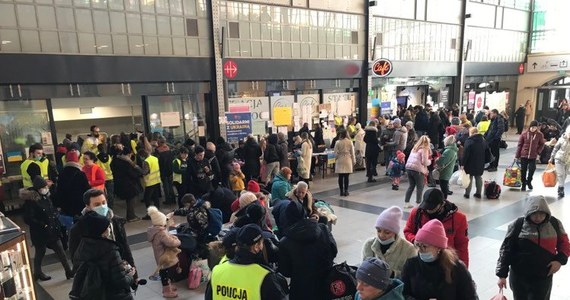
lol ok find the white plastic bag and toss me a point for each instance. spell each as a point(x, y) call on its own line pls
point(455, 177)
point(465, 179)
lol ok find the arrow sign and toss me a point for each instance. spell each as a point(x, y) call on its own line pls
point(230, 69)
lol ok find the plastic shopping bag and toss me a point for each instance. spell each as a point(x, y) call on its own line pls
point(455, 177)
point(465, 179)
point(512, 177)
point(549, 176)
point(499, 296)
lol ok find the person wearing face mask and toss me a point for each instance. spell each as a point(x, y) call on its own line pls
point(35, 165)
point(388, 245)
point(96, 204)
point(434, 206)
point(306, 253)
point(437, 272)
point(246, 275)
point(45, 228)
point(97, 250)
point(530, 145)
point(535, 247)
point(375, 283)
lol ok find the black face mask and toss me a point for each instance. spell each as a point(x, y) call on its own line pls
point(436, 213)
point(96, 134)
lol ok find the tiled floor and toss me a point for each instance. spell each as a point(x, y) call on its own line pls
point(488, 220)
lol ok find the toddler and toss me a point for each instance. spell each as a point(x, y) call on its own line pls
point(396, 168)
point(236, 179)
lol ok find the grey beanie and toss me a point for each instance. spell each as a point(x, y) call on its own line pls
point(375, 272)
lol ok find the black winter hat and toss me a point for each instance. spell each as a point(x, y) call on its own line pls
point(96, 224)
point(39, 182)
point(432, 198)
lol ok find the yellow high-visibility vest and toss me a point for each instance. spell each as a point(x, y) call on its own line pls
point(234, 281)
point(177, 177)
point(153, 177)
point(26, 179)
point(106, 168)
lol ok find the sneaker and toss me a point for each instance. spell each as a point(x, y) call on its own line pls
point(478, 196)
point(492, 170)
point(154, 277)
point(146, 217)
point(133, 219)
point(408, 205)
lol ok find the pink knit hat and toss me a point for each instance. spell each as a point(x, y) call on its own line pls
point(389, 219)
point(432, 233)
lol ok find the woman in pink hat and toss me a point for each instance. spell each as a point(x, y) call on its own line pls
point(437, 272)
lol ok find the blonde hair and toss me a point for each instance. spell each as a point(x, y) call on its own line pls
point(473, 131)
point(448, 259)
point(423, 142)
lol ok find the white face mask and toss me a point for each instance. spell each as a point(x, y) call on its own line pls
point(43, 191)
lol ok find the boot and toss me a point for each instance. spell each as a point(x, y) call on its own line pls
point(523, 187)
point(341, 192)
point(41, 276)
point(560, 192)
point(167, 292)
point(529, 184)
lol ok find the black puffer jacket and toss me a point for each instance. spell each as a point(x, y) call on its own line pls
point(271, 154)
point(252, 153)
point(79, 230)
point(103, 254)
point(306, 252)
point(371, 140)
point(221, 198)
point(474, 155)
point(427, 281)
point(41, 216)
point(126, 177)
point(71, 186)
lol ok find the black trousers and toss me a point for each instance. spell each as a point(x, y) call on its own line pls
point(343, 181)
point(152, 195)
point(494, 147)
point(530, 288)
point(444, 185)
point(371, 163)
point(520, 125)
point(181, 191)
point(527, 165)
point(59, 252)
point(164, 276)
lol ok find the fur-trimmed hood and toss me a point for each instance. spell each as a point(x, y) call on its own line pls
point(29, 194)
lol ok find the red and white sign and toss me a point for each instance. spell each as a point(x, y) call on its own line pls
point(230, 69)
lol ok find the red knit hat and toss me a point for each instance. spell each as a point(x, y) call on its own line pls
point(72, 156)
point(432, 233)
point(253, 186)
point(450, 130)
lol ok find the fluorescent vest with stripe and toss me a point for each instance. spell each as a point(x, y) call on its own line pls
point(106, 168)
point(234, 281)
point(177, 177)
point(26, 179)
point(153, 177)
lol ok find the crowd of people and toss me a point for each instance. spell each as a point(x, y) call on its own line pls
point(280, 243)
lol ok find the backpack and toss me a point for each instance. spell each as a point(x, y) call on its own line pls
point(492, 190)
point(194, 277)
point(88, 283)
point(215, 221)
point(340, 282)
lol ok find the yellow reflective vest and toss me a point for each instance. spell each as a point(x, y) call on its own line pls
point(26, 179)
point(153, 177)
point(106, 168)
point(235, 281)
point(175, 176)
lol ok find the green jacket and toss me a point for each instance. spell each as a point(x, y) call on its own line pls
point(446, 162)
point(279, 188)
point(395, 292)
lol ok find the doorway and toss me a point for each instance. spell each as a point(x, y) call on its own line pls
point(549, 97)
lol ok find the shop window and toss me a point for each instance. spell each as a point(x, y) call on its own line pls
point(23, 123)
point(191, 27)
point(355, 37)
point(234, 30)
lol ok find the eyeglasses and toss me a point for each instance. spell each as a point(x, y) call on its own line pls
point(421, 246)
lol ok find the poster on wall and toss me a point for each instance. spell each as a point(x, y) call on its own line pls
point(170, 119)
point(479, 101)
point(259, 109)
point(311, 100)
point(338, 108)
point(282, 116)
point(238, 126)
point(496, 101)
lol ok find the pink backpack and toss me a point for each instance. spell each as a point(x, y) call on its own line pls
point(194, 277)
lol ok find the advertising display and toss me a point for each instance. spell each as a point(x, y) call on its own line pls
point(259, 109)
point(238, 125)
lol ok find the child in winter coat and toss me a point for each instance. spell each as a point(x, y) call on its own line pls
point(237, 179)
point(396, 168)
point(161, 239)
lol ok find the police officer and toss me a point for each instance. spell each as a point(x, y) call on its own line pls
point(245, 276)
point(36, 165)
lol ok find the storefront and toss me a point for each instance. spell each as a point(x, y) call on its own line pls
point(496, 92)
